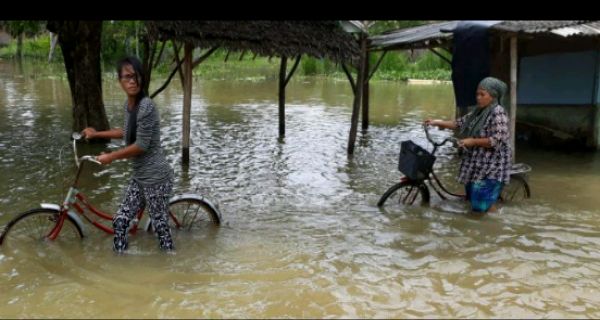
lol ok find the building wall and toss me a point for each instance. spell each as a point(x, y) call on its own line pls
point(568, 125)
point(558, 78)
point(558, 88)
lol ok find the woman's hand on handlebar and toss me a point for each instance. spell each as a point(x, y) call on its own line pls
point(434, 123)
point(431, 122)
point(89, 133)
point(105, 158)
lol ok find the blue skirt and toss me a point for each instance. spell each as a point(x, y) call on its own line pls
point(483, 194)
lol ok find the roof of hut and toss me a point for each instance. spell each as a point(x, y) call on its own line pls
point(268, 38)
point(438, 34)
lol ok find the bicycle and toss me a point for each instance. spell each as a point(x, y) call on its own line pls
point(186, 212)
point(417, 165)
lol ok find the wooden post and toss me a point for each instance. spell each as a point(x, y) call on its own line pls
point(282, 83)
point(595, 141)
point(513, 92)
point(365, 97)
point(358, 95)
point(187, 103)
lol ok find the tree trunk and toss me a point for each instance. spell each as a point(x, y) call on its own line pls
point(19, 54)
point(80, 46)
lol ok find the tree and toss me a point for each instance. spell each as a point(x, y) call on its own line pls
point(19, 28)
point(80, 43)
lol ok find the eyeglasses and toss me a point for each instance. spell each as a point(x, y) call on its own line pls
point(129, 77)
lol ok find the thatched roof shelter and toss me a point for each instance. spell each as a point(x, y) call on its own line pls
point(321, 39)
point(285, 39)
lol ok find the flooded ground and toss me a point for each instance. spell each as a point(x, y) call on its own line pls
point(302, 235)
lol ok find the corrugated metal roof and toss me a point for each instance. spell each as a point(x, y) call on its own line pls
point(534, 26)
point(586, 29)
point(429, 32)
point(424, 36)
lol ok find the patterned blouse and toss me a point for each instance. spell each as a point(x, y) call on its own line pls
point(480, 163)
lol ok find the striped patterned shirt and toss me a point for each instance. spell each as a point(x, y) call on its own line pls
point(480, 163)
point(151, 166)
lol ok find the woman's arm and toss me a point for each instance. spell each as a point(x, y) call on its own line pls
point(441, 124)
point(91, 133)
point(475, 142)
point(130, 151)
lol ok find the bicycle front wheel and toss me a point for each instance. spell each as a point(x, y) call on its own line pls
point(516, 190)
point(406, 193)
point(190, 214)
point(35, 225)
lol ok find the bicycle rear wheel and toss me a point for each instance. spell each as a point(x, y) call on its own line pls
point(35, 225)
point(189, 214)
point(406, 193)
point(516, 190)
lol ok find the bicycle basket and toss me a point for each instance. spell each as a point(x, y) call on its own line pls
point(415, 162)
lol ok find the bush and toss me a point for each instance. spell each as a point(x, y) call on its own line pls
point(309, 66)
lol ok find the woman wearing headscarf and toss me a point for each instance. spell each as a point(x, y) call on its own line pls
point(484, 132)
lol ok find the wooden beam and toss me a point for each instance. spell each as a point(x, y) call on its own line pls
point(513, 92)
point(289, 76)
point(204, 56)
point(376, 65)
point(187, 102)
point(365, 94)
point(595, 104)
point(282, 70)
point(160, 53)
point(159, 90)
point(440, 55)
point(358, 96)
point(178, 61)
point(350, 78)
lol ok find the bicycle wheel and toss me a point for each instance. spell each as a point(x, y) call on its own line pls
point(35, 225)
point(190, 214)
point(406, 193)
point(517, 189)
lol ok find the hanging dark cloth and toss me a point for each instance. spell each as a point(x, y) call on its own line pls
point(471, 59)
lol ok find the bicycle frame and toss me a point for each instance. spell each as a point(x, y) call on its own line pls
point(440, 186)
point(76, 204)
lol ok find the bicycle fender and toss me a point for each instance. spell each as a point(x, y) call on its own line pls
point(70, 213)
point(197, 197)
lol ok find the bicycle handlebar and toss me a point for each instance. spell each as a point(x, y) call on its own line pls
point(437, 144)
point(77, 136)
point(89, 158)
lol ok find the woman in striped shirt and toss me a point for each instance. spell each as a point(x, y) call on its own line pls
point(152, 180)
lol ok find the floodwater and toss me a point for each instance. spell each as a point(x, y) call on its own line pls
point(302, 236)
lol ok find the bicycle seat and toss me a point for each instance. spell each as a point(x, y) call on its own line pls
point(518, 168)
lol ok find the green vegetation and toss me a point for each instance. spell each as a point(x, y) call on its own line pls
point(120, 38)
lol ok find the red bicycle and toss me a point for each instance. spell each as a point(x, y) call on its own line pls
point(186, 212)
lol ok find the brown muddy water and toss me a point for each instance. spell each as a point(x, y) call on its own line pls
point(302, 236)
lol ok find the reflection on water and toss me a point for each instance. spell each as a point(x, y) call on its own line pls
point(302, 236)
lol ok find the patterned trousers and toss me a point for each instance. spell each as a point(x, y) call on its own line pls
point(155, 198)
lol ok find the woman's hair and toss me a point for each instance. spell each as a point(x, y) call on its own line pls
point(135, 63)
